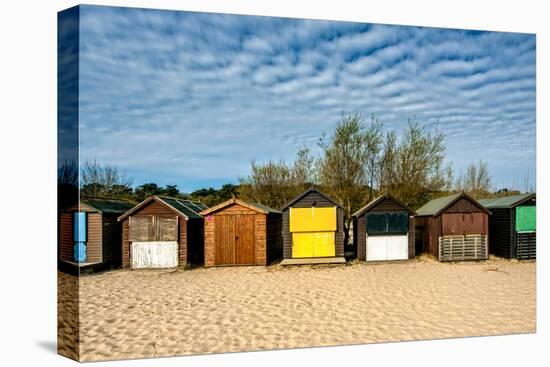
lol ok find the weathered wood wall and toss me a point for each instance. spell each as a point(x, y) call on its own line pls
point(463, 205)
point(66, 236)
point(125, 243)
point(157, 254)
point(526, 245)
point(412, 237)
point(464, 223)
point(463, 247)
point(361, 237)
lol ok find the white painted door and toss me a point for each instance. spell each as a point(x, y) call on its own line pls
point(380, 248)
point(156, 254)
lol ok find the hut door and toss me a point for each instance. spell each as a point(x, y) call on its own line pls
point(234, 239)
point(381, 248)
point(244, 239)
point(313, 244)
point(313, 232)
point(225, 239)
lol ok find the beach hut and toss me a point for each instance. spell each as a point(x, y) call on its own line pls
point(512, 226)
point(313, 230)
point(384, 230)
point(238, 232)
point(89, 234)
point(162, 232)
point(454, 227)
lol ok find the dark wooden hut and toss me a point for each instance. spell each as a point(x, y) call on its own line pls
point(241, 233)
point(313, 229)
point(384, 230)
point(453, 227)
point(162, 232)
point(513, 226)
point(89, 235)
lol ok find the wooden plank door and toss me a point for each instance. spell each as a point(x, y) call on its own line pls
point(245, 239)
point(224, 239)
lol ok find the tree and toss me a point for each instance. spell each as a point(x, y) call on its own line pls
point(373, 142)
point(144, 191)
point(170, 190)
point(211, 196)
point(275, 183)
point(268, 184)
point(476, 180)
point(412, 169)
point(348, 161)
point(67, 184)
point(103, 180)
point(303, 172)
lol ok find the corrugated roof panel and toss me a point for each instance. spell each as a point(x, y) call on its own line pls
point(115, 206)
point(504, 202)
point(176, 204)
point(192, 205)
point(264, 207)
point(435, 205)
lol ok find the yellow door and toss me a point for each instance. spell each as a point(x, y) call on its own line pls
point(323, 244)
point(312, 219)
point(313, 244)
point(302, 244)
point(313, 230)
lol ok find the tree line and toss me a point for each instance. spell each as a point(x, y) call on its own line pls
point(357, 162)
point(107, 181)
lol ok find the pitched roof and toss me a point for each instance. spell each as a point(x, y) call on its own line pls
point(308, 191)
point(436, 206)
point(186, 208)
point(375, 202)
point(247, 204)
point(103, 205)
point(507, 201)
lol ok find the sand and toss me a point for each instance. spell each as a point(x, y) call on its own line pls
point(133, 314)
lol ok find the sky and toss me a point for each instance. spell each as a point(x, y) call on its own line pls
point(191, 98)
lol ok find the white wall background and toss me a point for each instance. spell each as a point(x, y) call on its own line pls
point(28, 164)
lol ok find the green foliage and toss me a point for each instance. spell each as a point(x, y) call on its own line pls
point(348, 163)
point(211, 196)
point(412, 168)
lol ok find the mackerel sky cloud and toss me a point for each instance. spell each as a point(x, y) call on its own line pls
point(190, 98)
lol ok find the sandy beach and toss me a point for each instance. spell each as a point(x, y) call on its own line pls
point(134, 314)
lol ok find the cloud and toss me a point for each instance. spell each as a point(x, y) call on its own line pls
point(190, 98)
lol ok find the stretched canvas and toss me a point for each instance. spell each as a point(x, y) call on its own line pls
point(233, 183)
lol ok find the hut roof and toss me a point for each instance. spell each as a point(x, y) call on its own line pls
point(247, 204)
point(436, 206)
point(373, 203)
point(308, 191)
point(507, 202)
point(186, 208)
point(104, 205)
